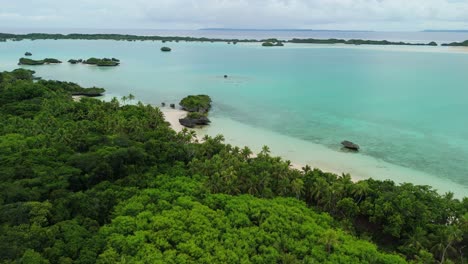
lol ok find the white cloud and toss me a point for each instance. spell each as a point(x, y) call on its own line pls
point(316, 14)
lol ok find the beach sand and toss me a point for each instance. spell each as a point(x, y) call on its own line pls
point(172, 116)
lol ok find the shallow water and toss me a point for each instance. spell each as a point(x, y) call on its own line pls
point(405, 106)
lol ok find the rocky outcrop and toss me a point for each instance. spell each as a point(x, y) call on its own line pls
point(350, 145)
point(192, 122)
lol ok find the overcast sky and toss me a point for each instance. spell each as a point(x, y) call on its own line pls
point(383, 15)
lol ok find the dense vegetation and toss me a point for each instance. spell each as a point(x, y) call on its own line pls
point(358, 42)
point(26, 61)
point(102, 62)
point(272, 44)
point(37, 36)
point(196, 103)
point(457, 44)
point(100, 182)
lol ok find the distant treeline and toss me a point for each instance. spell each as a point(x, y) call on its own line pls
point(457, 44)
point(359, 42)
point(42, 36)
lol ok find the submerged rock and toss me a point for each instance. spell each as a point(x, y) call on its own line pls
point(163, 104)
point(350, 145)
point(172, 105)
point(28, 54)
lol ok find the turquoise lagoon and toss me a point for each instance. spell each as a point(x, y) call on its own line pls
point(406, 106)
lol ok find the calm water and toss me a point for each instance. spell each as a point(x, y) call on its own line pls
point(405, 106)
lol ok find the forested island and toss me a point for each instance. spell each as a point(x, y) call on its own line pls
point(105, 62)
point(105, 182)
point(457, 44)
point(121, 37)
point(272, 44)
point(358, 42)
point(26, 61)
point(197, 107)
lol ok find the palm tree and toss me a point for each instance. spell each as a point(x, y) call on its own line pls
point(297, 186)
point(417, 240)
point(330, 239)
point(449, 236)
point(306, 169)
point(360, 189)
point(246, 153)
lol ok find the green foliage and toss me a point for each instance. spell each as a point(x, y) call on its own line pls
point(272, 43)
point(101, 182)
point(119, 37)
point(359, 42)
point(102, 62)
point(457, 44)
point(26, 61)
point(196, 115)
point(196, 103)
point(267, 44)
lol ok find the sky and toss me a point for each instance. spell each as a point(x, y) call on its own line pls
point(377, 15)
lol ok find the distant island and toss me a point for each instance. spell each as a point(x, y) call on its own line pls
point(272, 44)
point(446, 30)
point(457, 44)
point(105, 62)
point(281, 29)
point(26, 61)
point(164, 39)
point(358, 42)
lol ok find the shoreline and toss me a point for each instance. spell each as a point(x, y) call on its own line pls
point(173, 115)
point(301, 153)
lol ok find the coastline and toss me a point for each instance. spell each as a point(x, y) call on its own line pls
point(301, 152)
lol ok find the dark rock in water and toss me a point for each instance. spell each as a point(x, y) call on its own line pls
point(163, 104)
point(172, 105)
point(192, 122)
point(28, 54)
point(225, 76)
point(350, 145)
point(166, 49)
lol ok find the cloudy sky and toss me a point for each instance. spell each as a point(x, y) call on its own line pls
point(384, 15)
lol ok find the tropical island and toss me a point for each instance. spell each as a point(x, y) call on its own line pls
point(198, 107)
point(98, 62)
point(105, 62)
point(26, 61)
point(100, 182)
point(358, 42)
point(164, 39)
point(272, 43)
point(457, 44)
